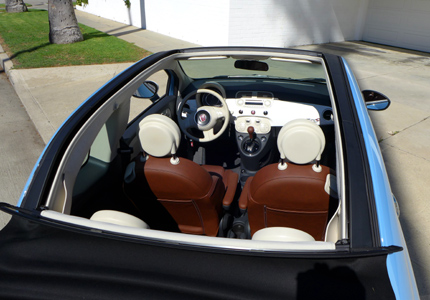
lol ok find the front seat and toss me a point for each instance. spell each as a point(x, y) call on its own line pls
point(193, 195)
point(294, 193)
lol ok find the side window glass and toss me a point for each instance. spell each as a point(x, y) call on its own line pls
point(139, 104)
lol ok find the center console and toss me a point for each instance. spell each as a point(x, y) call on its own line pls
point(254, 135)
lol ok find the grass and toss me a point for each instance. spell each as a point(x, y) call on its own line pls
point(25, 38)
point(3, 5)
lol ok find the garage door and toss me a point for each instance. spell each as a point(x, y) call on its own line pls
point(402, 23)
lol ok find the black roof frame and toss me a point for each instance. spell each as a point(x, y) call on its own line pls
point(363, 226)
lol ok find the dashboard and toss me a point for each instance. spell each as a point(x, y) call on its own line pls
point(251, 109)
point(264, 104)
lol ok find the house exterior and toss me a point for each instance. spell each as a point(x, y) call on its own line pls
point(276, 23)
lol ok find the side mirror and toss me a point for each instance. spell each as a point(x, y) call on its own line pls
point(147, 90)
point(375, 100)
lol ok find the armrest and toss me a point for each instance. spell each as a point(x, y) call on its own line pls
point(230, 182)
point(243, 200)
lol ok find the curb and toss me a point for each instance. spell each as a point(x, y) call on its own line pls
point(32, 107)
point(5, 61)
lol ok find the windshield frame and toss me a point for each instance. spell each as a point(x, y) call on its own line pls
point(278, 67)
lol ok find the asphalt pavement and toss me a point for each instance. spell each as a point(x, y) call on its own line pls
point(49, 95)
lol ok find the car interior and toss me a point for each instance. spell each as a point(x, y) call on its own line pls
point(212, 149)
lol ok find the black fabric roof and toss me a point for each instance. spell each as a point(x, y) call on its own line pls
point(38, 261)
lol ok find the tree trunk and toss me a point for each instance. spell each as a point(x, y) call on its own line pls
point(63, 25)
point(13, 6)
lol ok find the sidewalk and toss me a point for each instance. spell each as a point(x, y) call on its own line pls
point(146, 39)
point(51, 94)
point(67, 87)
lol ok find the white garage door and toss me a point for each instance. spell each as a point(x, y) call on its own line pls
point(402, 23)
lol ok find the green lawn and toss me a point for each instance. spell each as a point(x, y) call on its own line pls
point(25, 37)
point(2, 5)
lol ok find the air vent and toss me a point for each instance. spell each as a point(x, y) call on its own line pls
point(264, 95)
point(248, 94)
point(328, 115)
point(244, 95)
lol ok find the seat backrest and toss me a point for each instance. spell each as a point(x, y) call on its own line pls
point(292, 193)
point(188, 192)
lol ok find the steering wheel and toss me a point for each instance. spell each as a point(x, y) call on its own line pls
point(204, 118)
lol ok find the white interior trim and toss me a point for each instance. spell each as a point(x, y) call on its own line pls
point(188, 239)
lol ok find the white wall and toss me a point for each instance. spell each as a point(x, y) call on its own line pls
point(203, 22)
point(276, 23)
point(351, 16)
point(283, 23)
point(117, 11)
point(402, 23)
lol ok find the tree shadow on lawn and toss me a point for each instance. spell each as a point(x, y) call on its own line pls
point(87, 36)
point(93, 35)
point(15, 55)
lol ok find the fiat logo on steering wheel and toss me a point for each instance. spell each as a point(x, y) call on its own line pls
point(202, 118)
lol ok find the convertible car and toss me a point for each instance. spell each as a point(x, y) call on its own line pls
point(213, 173)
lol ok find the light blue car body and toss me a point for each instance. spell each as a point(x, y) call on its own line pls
point(398, 264)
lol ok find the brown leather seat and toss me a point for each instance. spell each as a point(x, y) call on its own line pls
point(294, 194)
point(194, 195)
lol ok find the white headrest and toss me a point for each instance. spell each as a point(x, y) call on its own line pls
point(301, 141)
point(282, 234)
point(118, 218)
point(159, 135)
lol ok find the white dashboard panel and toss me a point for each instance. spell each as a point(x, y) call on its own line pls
point(263, 114)
point(261, 125)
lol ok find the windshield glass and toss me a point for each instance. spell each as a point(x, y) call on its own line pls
point(270, 67)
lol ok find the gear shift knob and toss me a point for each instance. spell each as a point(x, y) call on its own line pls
point(251, 132)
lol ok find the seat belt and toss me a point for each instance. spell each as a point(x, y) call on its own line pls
point(125, 152)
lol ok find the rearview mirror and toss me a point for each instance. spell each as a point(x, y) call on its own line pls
point(147, 90)
point(375, 100)
point(253, 65)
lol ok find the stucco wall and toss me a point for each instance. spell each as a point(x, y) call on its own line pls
point(276, 23)
point(403, 23)
point(203, 22)
point(351, 16)
point(116, 10)
point(283, 23)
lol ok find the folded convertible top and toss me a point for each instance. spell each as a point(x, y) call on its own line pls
point(58, 263)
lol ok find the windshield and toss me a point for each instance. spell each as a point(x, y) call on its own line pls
point(269, 67)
